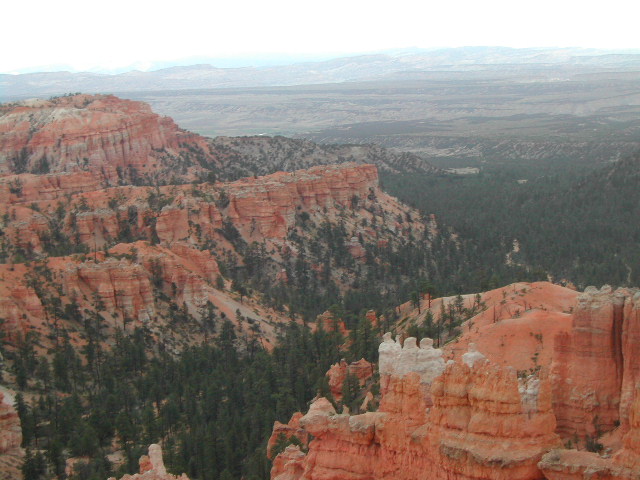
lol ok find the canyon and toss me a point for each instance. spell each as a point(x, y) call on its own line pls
point(114, 221)
point(144, 253)
point(84, 200)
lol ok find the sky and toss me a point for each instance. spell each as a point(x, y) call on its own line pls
point(45, 35)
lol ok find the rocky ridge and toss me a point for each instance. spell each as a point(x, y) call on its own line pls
point(261, 155)
point(117, 141)
point(138, 252)
point(76, 143)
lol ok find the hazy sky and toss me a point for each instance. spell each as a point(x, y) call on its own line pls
point(116, 33)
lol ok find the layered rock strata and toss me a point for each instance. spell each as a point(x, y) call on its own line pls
point(110, 137)
point(481, 417)
point(596, 369)
point(191, 226)
point(582, 465)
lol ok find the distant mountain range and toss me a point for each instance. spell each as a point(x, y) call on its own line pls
point(396, 64)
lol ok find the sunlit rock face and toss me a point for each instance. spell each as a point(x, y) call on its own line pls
point(457, 420)
point(596, 369)
point(476, 417)
point(102, 134)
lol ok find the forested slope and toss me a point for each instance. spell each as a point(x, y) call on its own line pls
point(579, 227)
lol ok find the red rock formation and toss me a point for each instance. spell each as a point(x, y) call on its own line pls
point(27, 187)
point(287, 430)
point(152, 467)
point(474, 419)
point(267, 205)
point(517, 325)
point(83, 143)
point(630, 354)
point(85, 132)
point(578, 465)
point(330, 324)
point(337, 374)
point(184, 220)
point(623, 465)
point(125, 283)
point(485, 423)
point(588, 367)
point(629, 456)
point(289, 465)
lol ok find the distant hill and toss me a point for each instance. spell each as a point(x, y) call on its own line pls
point(401, 63)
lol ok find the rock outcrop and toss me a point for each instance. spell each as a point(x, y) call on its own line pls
point(152, 467)
point(596, 389)
point(581, 465)
point(285, 431)
point(397, 360)
point(113, 138)
point(268, 204)
point(144, 247)
point(362, 370)
point(484, 422)
point(476, 417)
point(595, 364)
point(72, 202)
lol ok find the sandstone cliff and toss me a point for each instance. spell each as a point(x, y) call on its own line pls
point(476, 416)
point(116, 140)
point(72, 204)
point(141, 256)
point(595, 369)
point(484, 422)
point(362, 370)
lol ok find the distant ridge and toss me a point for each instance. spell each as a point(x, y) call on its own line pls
point(344, 69)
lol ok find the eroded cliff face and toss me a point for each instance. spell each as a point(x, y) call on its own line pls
point(579, 465)
point(596, 389)
point(261, 208)
point(172, 292)
point(73, 207)
point(475, 418)
point(595, 368)
point(114, 139)
point(483, 422)
point(337, 374)
point(149, 255)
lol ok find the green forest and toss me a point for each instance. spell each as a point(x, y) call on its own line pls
point(213, 406)
point(573, 222)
